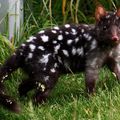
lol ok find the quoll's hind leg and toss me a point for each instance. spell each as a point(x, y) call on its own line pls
point(43, 83)
point(45, 86)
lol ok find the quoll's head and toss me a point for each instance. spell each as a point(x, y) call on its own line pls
point(107, 25)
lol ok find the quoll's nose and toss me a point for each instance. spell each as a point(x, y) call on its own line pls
point(115, 38)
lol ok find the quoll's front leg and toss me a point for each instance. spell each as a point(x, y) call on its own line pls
point(114, 66)
point(94, 62)
point(42, 83)
point(91, 75)
point(44, 87)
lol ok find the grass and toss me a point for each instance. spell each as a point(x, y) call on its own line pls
point(67, 100)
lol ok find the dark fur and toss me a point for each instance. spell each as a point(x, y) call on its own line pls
point(63, 49)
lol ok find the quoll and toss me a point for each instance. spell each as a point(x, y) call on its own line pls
point(75, 48)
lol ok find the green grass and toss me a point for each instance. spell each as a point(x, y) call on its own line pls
point(67, 100)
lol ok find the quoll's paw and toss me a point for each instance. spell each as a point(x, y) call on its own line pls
point(41, 97)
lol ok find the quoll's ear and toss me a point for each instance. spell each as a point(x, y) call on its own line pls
point(99, 12)
point(118, 12)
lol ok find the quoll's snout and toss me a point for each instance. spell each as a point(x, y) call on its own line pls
point(115, 38)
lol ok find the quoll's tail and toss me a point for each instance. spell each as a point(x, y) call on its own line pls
point(8, 67)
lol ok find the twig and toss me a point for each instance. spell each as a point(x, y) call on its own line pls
point(76, 11)
point(71, 9)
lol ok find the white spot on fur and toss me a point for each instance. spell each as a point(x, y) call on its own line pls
point(59, 59)
point(66, 33)
point(60, 37)
point(56, 28)
point(60, 31)
point(74, 51)
point(56, 48)
point(8, 101)
point(65, 52)
point(46, 78)
point(54, 31)
point(80, 36)
point(55, 65)
point(104, 27)
point(44, 38)
point(86, 35)
point(41, 32)
point(69, 42)
point(23, 45)
point(67, 25)
point(41, 48)
point(74, 32)
point(40, 86)
point(31, 39)
point(14, 53)
point(94, 44)
point(108, 16)
point(44, 68)
point(45, 58)
point(89, 38)
point(82, 30)
point(32, 47)
point(43, 87)
point(85, 25)
point(54, 42)
point(80, 51)
point(76, 40)
point(4, 77)
point(52, 70)
point(30, 55)
point(21, 53)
